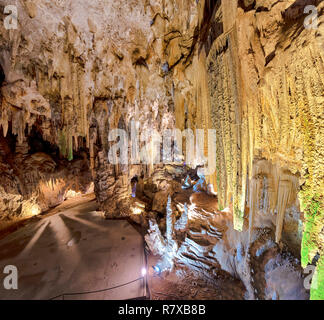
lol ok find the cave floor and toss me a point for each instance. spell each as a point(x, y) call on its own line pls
point(72, 249)
point(183, 284)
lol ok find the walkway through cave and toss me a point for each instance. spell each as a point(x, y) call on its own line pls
point(72, 249)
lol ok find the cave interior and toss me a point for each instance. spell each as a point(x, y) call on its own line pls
point(182, 138)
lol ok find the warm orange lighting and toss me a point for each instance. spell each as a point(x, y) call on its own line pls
point(35, 210)
point(137, 210)
point(72, 194)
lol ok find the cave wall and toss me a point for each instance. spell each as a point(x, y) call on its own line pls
point(256, 77)
point(265, 79)
point(84, 68)
point(35, 178)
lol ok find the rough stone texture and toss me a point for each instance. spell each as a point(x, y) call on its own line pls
point(264, 72)
point(210, 245)
point(85, 68)
point(34, 181)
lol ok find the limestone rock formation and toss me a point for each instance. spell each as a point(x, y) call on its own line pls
point(211, 244)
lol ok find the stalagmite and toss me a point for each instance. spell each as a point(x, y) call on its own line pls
point(169, 221)
point(187, 183)
point(154, 239)
point(284, 191)
point(182, 223)
point(253, 206)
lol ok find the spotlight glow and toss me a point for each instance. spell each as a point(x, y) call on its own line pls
point(35, 210)
point(137, 211)
point(72, 194)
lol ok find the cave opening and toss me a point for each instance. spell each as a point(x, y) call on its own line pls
point(2, 76)
point(37, 144)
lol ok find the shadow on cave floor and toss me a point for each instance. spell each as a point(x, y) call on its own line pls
point(85, 202)
point(72, 249)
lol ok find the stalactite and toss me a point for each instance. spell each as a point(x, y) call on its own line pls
point(284, 191)
point(62, 142)
point(169, 221)
point(317, 287)
point(182, 223)
point(252, 205)
point(70, 147)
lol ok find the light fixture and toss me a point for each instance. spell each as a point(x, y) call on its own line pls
point(137, 210)
point(35, 210)
point(72, 194)
point(143, 272)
